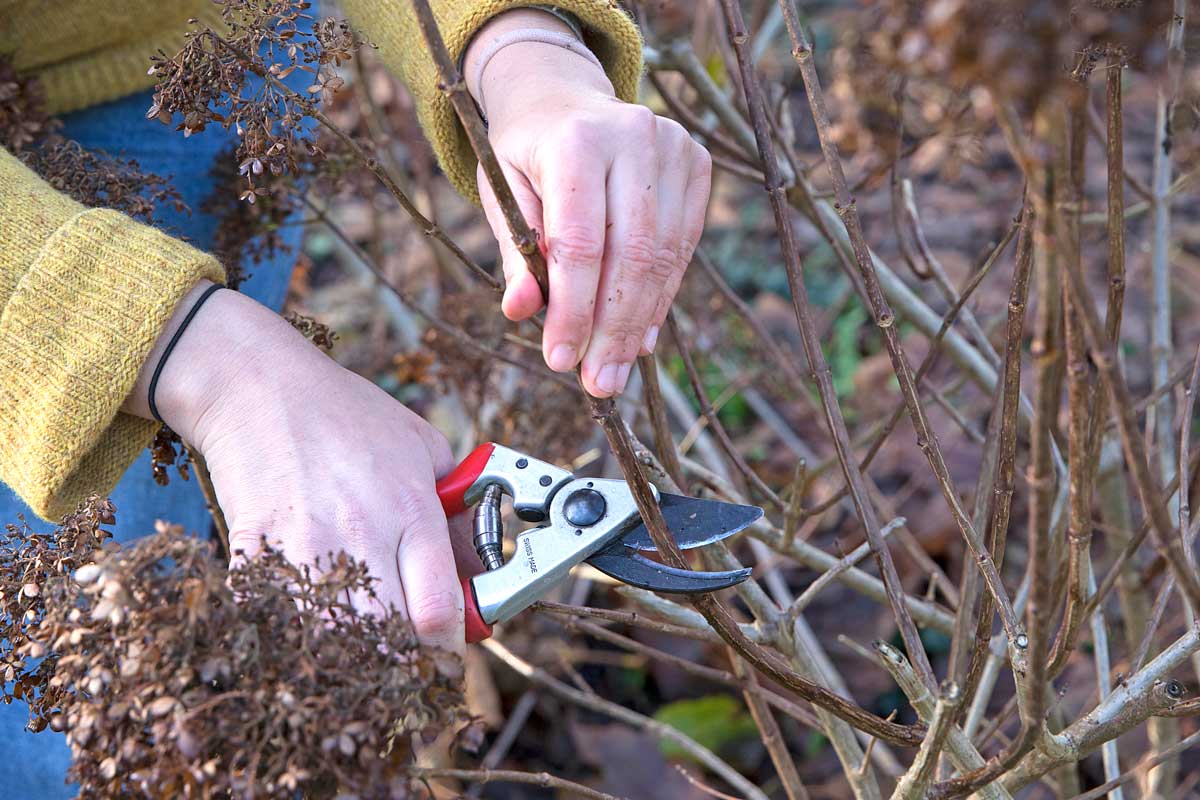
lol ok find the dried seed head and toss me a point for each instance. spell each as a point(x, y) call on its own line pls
point(195, 661)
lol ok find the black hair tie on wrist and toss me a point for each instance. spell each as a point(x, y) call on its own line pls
point(162, 362)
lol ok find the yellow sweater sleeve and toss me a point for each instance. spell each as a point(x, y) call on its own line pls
point(84, 293)
point(392, 26)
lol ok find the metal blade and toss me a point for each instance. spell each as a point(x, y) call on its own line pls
point(694, 521)
point(633, 568)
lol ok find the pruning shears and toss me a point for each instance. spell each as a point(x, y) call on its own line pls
point(577, 520)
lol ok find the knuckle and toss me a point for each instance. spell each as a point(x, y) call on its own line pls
point(687, 246)
point(664, 267)
point(354, 528)
point(576, 135)
point(623, 337)
point(435, 614)
point(576, 246)
point(640, 250)
point(439, 448)
point(650, 261)
point(410, 504)
point(641, 119)
point(671, 131)
point(245, 542)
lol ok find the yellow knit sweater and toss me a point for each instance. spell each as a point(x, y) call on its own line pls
point(84, 292)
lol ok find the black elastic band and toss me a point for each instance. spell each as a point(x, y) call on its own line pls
point(162, 362)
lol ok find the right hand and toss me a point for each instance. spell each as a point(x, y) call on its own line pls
point(315, 459)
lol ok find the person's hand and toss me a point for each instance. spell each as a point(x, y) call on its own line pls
point(617, 194)
point(314, 458)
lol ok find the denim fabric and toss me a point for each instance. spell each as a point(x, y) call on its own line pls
point(35, 765)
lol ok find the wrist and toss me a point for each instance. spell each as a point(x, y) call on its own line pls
point(232, 359)
point(534, 77)
point(525, 54)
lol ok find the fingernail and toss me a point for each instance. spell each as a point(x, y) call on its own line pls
point(651, 339)
point(562, 358)
point(606, 378)
point(622, 377)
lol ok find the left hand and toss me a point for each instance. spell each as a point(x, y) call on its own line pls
point(616, 193)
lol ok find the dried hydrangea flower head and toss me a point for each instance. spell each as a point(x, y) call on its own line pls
point(173, 676)
point(209, 82)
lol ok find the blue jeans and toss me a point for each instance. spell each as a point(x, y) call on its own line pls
point(34, 766)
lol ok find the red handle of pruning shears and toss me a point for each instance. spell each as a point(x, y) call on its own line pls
point(451, 491)
point(477, 629)
point(452, 488)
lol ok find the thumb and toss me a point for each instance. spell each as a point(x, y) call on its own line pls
point(425, 563)
point(522, 295)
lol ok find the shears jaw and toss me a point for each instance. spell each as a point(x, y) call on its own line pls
point(694, 522)
point(631, 567)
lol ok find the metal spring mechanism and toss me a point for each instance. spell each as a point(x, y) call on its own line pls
point(489, 528)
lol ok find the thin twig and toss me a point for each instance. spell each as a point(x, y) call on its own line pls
point(720, 676)
point(456, 333)
point(962, 753)
point(664, 444)
point(915, 783)
point(1080, 396)
point(819, 369)
point(833, 573)
point(542, 779)
point(768, 731)
point(508, 734)
point(632, 618)
point(205, 481)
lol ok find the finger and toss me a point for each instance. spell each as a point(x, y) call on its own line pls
point(676, 150)
point(694, 206)
point(633, 267)
point(350, 532)
point(424, 561)
point(522, 295)
point(247, 543)
point(574, 215)
point(386, 594)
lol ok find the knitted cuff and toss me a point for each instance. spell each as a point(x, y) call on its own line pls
point(73, 338)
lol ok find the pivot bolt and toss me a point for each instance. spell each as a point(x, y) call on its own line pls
point(584, 507)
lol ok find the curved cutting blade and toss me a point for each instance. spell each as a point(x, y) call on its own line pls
point(694, 521)
point(633, 568)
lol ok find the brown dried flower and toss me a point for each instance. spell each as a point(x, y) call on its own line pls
point(208, 82)
point(167, 451)
point(23, 118)
point(318, 333)
point(248, 233)
point(174, 677)
point(101, 181)
point(92, 178)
